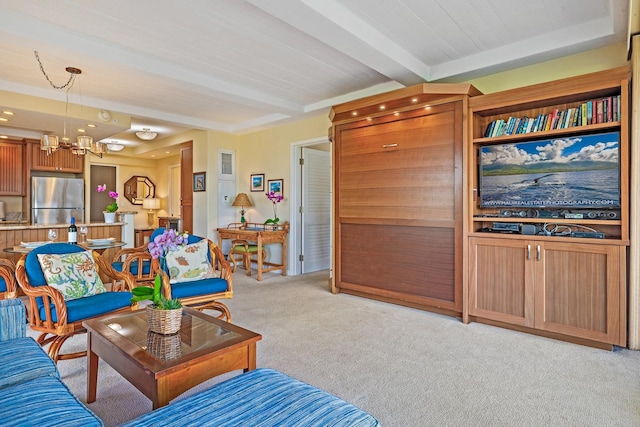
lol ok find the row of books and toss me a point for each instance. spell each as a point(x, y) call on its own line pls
point(591, 112)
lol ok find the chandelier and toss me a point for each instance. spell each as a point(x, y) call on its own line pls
point(146, 135)
point(84, 143)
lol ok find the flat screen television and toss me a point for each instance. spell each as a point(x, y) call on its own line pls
point(579, 171)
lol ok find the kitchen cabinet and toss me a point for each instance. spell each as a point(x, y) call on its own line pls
point(12, 170)
point(62, 160)
point(560, 287)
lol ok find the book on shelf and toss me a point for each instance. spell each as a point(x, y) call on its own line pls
point(594, 111)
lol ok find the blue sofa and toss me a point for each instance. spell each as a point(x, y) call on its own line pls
point(34, 395)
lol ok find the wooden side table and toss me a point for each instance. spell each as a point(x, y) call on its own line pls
point(142, 235)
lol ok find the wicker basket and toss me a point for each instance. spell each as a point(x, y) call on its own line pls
point(164, 347)
point(164, 321)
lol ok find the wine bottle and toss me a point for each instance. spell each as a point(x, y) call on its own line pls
point(73, 232)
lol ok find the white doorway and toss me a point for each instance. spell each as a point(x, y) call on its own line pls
point(310, 215)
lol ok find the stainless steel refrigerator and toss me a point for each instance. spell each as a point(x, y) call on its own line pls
point(56, 200)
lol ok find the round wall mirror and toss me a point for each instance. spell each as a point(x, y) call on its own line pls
point(138, 188)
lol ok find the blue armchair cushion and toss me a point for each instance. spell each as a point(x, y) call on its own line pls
point(12, 319)
point(44, 401)
point(87, 307)
point(23, 359)
point(262, 397)
point(32, 265)
point(199, 287)
point(73, 274)
point(133, 267)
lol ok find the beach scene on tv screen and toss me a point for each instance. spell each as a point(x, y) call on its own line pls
point(577, 172)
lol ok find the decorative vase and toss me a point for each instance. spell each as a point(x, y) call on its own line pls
point(164, 321)
point(109, 217)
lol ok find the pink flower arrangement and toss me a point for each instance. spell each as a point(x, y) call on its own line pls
point(275, 199)
point(168, 241)
point(111, 207)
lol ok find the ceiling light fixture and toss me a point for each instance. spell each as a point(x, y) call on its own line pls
point(146, 135)
point(114, 146)
point(84, 143)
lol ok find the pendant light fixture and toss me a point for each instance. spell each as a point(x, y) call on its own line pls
point(84, 143)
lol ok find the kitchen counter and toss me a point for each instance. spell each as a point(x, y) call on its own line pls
point(13, 234)
point(22, 225)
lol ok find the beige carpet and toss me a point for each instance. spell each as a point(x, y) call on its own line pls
point(408, 367)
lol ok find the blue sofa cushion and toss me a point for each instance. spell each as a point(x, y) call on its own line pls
point(262, 397)
point(41, 402)
point(23, 359)
point(87, 307)
point(12, 319)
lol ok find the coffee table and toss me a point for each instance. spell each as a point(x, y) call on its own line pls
point(165, 366)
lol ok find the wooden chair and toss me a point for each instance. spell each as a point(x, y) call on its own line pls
point(129, 259)
point(202, 294)
point(57, 319)
point(247, 252)
point(8, 284)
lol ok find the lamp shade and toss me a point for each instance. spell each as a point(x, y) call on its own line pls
point(151, 203)
point(242, 200)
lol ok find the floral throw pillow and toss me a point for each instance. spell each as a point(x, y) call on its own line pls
point(189, 262)
point(74, 274)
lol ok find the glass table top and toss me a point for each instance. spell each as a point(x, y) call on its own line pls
point(196, 333)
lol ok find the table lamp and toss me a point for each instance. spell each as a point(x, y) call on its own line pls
point(242, 200)
point(152, 204)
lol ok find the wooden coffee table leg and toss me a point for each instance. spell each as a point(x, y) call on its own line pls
point(92, 371)
point(251, 353)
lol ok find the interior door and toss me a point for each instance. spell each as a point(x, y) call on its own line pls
point(99, 175)
point(186, 189)
point(316, 210)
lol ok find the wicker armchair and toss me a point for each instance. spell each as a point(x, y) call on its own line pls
point(8, 284)
point(202, 294)
point(129, 260)
point(57, 319)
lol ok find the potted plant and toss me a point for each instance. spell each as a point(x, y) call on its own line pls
point(163, 315)
point(275, 198)
point(112, 208)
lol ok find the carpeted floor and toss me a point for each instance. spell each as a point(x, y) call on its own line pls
point(407, 367)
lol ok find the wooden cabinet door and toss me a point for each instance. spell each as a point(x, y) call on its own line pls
point(12, 176)
point(578, 291)
point(61, 161)
point(501, 280)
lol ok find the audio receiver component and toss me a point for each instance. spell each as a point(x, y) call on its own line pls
point(506, 226)
point(588, 234)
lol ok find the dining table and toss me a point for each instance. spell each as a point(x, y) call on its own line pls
point(99, 246)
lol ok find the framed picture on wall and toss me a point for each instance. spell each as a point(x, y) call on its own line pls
point(275, 185)
point(257, 182)
point(199, 181)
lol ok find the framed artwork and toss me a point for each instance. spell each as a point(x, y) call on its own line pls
point(257, 182)
point(199, 181)
point(275, 185)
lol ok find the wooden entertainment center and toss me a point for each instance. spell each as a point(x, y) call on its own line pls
point(572, 288)
point(409, 227)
